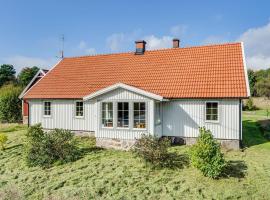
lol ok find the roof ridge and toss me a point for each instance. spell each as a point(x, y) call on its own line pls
point(154, 50)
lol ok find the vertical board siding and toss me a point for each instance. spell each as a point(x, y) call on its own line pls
point(63, 115)
point(184, 117)
point(120, 133)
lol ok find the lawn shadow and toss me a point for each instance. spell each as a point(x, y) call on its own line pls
point(235, 168)
point(14, 146)
point(253, 133)
point(176, 161)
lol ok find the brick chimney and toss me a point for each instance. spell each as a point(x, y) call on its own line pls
point(176, 43)
point(140, 47)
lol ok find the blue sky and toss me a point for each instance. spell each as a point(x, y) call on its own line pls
point(30, 30)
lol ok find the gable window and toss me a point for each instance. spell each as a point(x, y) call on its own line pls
point(79, 109)
point(139, 115)
point(47, 108)
point(107, 114)
point(123, 114)
point(212, 111)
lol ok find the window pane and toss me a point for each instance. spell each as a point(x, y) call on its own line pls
point(123, 114)
point(212, 111)
point(107, 114)
point(79, 108)
point(136, 106)
point(47, 108)
point(139, 115)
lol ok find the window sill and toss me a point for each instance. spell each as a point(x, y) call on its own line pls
point(47, 116)
point(212, 122)
point(79, 117)
point(139, 129)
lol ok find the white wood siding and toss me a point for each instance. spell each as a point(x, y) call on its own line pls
point(63, 115)
point(122, 95)
point(184, 117)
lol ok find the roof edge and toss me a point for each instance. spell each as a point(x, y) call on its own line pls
point(245, 69)
point(25, 91)
point(124, 86)
point(29, 84)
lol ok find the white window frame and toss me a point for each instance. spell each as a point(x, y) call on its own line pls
point(129, 118)
point(101, 113)
point(205, 112)
point(145, 115)
point(75, 113)
point(44, 109)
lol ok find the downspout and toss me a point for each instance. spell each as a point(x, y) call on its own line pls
point(28, 110)
point(240, 122)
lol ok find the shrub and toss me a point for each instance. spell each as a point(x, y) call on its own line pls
point(10, 105)
point(206, 155)
point(152, 149)
point(3, 140)
point(250, 105)
point(44, 149)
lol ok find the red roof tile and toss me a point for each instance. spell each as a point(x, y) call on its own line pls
point(214, 71)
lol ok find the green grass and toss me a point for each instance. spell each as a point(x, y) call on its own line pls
point(111, 174)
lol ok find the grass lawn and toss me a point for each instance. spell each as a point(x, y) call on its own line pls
point(111, 174)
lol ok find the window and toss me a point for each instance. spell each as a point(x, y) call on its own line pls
point(47, 108)
point(211, 111)
point(139, 115)
point(107, 114)
point(79, 109)
point(123, 114)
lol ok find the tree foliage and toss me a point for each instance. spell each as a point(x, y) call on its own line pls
point(10, 105)
point(263, 87)
point(26, 75)
point(252, 81)
point(7, 74)
point(206, 155)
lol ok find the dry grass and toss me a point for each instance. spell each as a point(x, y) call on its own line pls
point(109, 174)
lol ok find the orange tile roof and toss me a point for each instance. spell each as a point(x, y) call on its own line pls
point(213, 71)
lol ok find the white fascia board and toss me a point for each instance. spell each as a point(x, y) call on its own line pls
point(27, 89)
point(127, 87)
point(245, 69)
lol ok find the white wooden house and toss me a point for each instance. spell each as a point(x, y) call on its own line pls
point(167, 92)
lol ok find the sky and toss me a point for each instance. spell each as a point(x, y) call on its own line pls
point(30, 30)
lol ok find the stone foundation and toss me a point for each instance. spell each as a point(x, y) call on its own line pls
point(77, 133)
point(227, 144)
point(120, 144)
point(25, 120)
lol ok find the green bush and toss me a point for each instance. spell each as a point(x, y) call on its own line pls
point(3, 141)
point(152, 149)
point(206, 155)
point(250, 105)
point(44, 149)
point(10, 104)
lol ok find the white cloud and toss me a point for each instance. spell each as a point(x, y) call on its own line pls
point(154, 42)
point(20, 62)
point(257, 46)
point(91, 51)
point(215, 39)
point(116, 41)
point(83, 48)
point(178, 30)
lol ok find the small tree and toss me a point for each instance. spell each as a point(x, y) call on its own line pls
point(7, 74)
point(10, 105)
point(26, 75)
point(206, 155)
point(250, 105)
point(3, 140)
